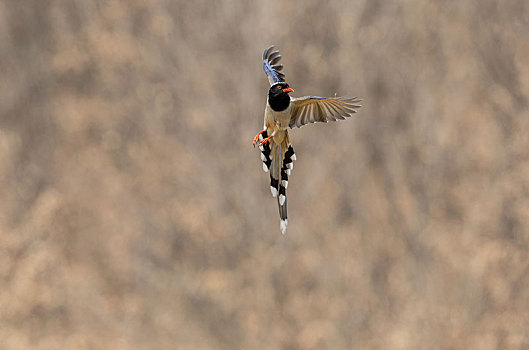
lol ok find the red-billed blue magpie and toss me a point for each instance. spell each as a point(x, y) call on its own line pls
point(282, 112)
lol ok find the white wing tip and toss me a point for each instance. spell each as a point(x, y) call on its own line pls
point(265, 168)
point(274, 191)
point(283, 226)
point(284, 183)
point(281, 199)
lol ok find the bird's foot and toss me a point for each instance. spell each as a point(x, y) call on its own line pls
point(265, 140)
point(256, 138)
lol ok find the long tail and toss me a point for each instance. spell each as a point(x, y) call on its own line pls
point(278, 159)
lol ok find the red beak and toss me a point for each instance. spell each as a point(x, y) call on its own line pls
point(288, 90)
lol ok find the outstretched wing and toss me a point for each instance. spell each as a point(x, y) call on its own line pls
point(271, 67)
point(312, 109)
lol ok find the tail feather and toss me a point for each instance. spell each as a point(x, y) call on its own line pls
point(278, 159)
point(266, 156)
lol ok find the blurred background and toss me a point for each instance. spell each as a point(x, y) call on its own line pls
point(135, 214)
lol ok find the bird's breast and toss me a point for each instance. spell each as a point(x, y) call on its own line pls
point(277, 120)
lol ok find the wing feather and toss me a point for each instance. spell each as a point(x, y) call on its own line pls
point(306, 116)
point(312, 115)
point(326, 111)
point(338, 111)
point(334, 112)
point(311, 109)
point(270, 59)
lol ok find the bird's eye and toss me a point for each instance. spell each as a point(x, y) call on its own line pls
point(279, 87)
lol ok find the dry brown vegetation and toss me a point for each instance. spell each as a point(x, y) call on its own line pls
point(134, 213)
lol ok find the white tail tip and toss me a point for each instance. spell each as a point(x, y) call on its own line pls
point(284, 183)
point(265, 168)
point(283, 226)
point(263, 157)
point(274, 191)
point(281, 199)
point(288, 171)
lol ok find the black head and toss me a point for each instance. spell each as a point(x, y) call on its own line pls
point(278, 97)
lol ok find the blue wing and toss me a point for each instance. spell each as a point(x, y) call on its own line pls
point(271, 58)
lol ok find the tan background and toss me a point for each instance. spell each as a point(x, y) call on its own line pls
point(134, 213)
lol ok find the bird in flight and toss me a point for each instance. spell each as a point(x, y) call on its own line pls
point(283, 111)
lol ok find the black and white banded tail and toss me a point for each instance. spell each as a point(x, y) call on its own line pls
point(279, 161)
